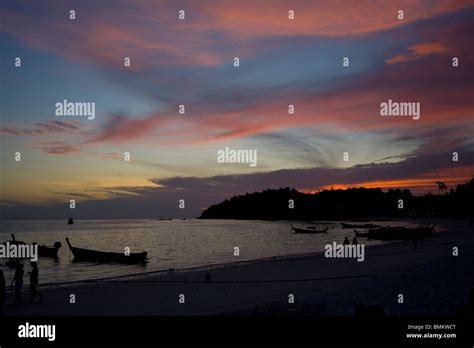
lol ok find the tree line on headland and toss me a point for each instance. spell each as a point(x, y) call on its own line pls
point(352, 203)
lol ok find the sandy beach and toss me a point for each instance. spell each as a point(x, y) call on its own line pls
point(430, 278)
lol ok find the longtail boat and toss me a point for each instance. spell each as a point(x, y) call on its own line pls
point(47, 251)
point(43, 250)
point(14, 241)
point(305, 231)
point(361, 234)
point(13, 262)
point(81, 254)
point(401, 233)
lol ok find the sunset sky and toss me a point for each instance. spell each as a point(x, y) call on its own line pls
point(190, 62)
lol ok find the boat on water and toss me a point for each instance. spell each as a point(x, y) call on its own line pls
point(81, 254)
point(307, 231)
point(47, 251)
point(13, 262)
point(401, 233)
point(43, 250)
point(361, 234)
point(346, 225)
point(14, 241)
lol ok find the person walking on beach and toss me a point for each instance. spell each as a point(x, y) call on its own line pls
point(346, 241)
point(34, 283)
point(3, 291)
point(354, 241)
point(18, 280)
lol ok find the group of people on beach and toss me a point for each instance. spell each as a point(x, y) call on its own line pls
point(17, 281)
point(346, 241)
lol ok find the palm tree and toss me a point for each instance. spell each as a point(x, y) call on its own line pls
point(441, 186)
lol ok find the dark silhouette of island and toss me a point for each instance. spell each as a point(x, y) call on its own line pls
point(352, 203)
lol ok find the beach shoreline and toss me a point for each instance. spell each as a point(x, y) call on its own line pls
point(311, 278)
point(213, 265)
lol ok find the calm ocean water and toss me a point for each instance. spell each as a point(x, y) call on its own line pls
point(175, 243)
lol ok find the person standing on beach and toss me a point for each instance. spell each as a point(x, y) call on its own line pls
point(3, 291)
point(34, 283)
point(18, 280)
point(346, 241)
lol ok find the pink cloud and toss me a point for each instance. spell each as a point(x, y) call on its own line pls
point(46, 128)
point(441, 90)
point(445, 93)
point(150, 33)
point(58, 148)
point(326, 17)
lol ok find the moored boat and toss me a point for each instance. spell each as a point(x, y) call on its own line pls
point(361, 234)
point(46, 251)
point(401, 233)
point(81, 254)
point(13, 262)
point(14, 241)
point(43, 250)
point(307, 231)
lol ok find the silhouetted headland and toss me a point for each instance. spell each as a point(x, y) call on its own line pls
point(352, 203)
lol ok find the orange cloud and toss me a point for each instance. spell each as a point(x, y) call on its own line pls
point(450, 176)
point(400, 58)
point(424, 49)
point(420, 50)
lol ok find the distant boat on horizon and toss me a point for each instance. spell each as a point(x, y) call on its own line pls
point(308, 231)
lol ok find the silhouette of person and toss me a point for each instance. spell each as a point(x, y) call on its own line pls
point(354, 241)
point(18, 280)
point(34, 283)
point(346, 241)
point(3, 291)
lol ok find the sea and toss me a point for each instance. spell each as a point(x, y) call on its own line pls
point(177, 244)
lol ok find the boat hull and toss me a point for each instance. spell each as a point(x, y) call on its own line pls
point(45, 251)
point(304, 231)
point(401, 233)
point(87, 255)
point(361, 234)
